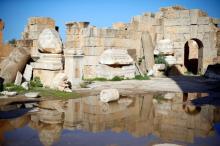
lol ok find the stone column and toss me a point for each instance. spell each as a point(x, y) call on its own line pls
point(148, 50)
point(74, 66)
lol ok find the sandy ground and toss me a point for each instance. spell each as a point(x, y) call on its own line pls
point(172, 84)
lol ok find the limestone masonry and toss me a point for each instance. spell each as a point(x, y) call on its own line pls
point(188, 39)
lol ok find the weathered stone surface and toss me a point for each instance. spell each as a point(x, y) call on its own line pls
point(159, 67)
point(9, 93)
point(60, 82)
point(49, 62)
point(49, 41)
point(46, 76)
point(148, 50)
point(108, 72)
point(25, 85)
point(28, 72)
point(108, 95)
point(18, 79)
point(52, 105)
point(115, 56)
point(165, 47)
point(32, 94)
point(125, 101)
point(170, 60)
point(50, 116)
point(15, 62)
point(169, 96)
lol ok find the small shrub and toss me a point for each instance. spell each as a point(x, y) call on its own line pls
point(160, 59)
point(117, 78)
point(36, 82)
point(140, 77)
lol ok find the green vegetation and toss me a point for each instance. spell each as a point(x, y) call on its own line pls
point(12, 87)
point(96, 79)
point(85, 84)
point(140, 77)
point(36, 86)
point(160, 59)
point(36, 82)
point(117, 78)
point(47, 92)
point(12, 42)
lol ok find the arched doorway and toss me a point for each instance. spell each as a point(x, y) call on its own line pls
point(193, 55)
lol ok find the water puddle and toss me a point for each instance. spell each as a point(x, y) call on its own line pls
point(138, 120)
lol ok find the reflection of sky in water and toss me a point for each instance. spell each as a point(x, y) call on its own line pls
point(118, 125)
point(28, 137)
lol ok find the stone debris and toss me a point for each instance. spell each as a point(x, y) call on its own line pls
point(28, 72)
point(25, 85)
point(18, 78)
point(158, 70)
point(115, 57)
point(108, 95)
point(32, 94)
point(8, 93)
point(169, 96)
point(15, 62)
point(164, 47)
point(49, 41)
point(125, 101)
point(61, 83)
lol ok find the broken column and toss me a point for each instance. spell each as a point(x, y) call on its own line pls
point(49, 63)
point(148, 50)
point(115, 62)
point(74, 66)
point(15, 62)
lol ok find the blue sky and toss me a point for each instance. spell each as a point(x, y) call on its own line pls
point(101, 13)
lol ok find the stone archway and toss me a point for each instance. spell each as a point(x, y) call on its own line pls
point(193, 55)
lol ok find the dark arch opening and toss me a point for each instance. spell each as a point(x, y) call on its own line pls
point(193, 65)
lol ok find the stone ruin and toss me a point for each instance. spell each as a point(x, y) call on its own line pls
point(188, 39)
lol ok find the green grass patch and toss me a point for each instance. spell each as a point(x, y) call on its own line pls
point(36, 82)
point(96, 79)
point(117, 78)
point(140, 77)
point(12, 87)
point(52, 93)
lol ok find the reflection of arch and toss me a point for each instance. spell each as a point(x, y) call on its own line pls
point(194, 64)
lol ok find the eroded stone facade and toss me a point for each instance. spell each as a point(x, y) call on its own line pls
point(188, 39)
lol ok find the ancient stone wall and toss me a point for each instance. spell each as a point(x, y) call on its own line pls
point(176, 24)
point(181, 25)
point(32, 31)
point(5, 49)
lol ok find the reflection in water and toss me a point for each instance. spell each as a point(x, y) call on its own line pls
point(142, 115)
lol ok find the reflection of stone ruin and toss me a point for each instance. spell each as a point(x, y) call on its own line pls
point(137, 115)
point(188, 39)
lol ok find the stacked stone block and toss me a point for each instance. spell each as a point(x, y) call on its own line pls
point(33, 29)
